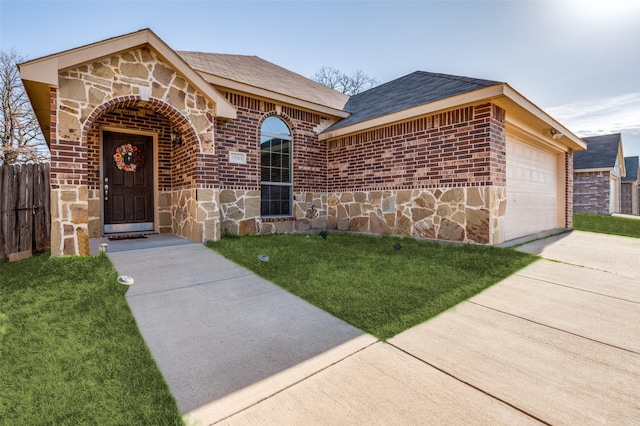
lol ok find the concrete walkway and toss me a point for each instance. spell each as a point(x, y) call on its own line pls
point(555, 343)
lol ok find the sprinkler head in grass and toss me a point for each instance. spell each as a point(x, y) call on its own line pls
point(397, 246)
point(324, 234)
point(263, 258)
point(125, 280)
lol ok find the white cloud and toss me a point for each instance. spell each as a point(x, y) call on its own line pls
point(601, 116)
point(618, 114)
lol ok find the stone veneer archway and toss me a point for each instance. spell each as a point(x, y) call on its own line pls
point(137, 78)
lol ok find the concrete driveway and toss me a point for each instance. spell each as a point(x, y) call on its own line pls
point(556, 343)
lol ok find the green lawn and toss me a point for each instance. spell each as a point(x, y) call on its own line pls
point(367, 282)
point(607, 224)
point(70, 350)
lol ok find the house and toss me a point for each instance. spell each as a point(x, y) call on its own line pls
point(629, 186)
point(145, 139)
point(597, 174)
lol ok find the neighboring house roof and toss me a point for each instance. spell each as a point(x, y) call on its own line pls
point(259, 74)
point(631, 164)
point(406, 92)
point(601, 153)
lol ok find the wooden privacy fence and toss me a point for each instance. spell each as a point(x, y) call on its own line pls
point(25, 218)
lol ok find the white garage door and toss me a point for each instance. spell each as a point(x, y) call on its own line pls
point(532, 187)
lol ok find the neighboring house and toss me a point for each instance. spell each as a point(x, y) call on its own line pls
point(629, 186)
point(597, 174)
point(147, 139)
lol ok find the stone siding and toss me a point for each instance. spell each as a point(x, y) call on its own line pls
point(133, 90)
point(467, 214)
point(568, 189)
point(69, 212)
point(240, 213)
point(591, 192)
point(196, 214)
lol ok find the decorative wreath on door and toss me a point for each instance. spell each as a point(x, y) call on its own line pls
point(128, 157)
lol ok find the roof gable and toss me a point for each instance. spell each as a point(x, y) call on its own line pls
point(257, 73)
point(418, 88)
point(632, 166)
point(38, 75)
point(601, 153)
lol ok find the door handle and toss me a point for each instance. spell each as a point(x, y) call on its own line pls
point(106, 192)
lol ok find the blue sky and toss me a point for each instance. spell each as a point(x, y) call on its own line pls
point(578, 60)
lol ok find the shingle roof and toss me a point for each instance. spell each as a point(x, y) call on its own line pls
point(601, 152)
point(631, 166)
point(257, 72)
point(418, 88)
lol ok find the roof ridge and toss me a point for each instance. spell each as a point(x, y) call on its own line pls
point(264, 60)
point(603, 136)
point(217, 53)
point(458, 77)
point(429, 73)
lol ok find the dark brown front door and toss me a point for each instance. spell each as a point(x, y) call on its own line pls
point(127, 182)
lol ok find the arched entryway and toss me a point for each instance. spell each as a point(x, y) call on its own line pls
point(139, 153)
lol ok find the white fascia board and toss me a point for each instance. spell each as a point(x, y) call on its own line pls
point(578, 144)
point(601, 169)
point(44, 71)
point(267, 94)
point(623, 169)
point(523, 131)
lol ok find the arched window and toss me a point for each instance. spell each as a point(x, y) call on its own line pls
point(276, 176)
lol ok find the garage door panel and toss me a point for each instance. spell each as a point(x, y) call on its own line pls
point(531, 190)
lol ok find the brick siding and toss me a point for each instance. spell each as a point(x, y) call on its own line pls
point(591, 192)
point(458, 148)
point(68, 157)
point(243, 135)
point(629, 198)
point(138, 119)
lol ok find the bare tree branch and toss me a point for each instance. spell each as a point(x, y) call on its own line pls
point(351, 85)
point(21, 140)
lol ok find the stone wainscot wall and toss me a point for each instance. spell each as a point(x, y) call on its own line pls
point(467, 214)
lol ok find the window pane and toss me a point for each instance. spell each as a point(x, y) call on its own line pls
point(284, 207)
point(275, 167)
point(276, 175)
point(274, 208)
point(275, 126)
point(285, 193)
point(285, 147)
point(276, 200)
point(275, 193)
